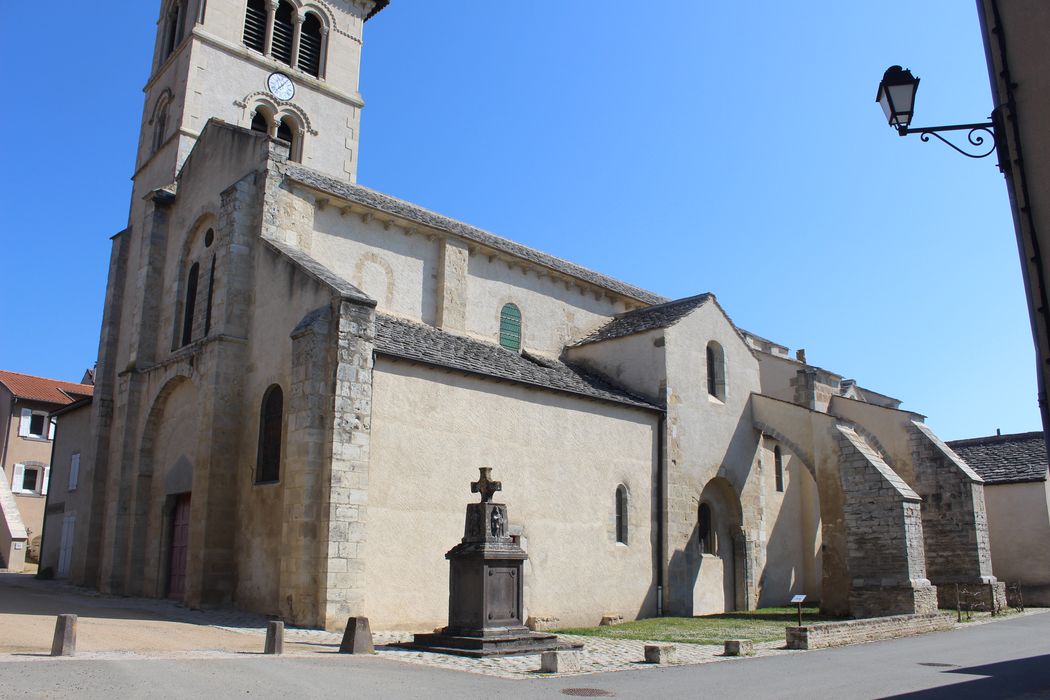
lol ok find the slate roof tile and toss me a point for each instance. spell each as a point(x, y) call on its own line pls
point(406, 210)
point(647, 319)
point(1005, 459)
point(421, 343)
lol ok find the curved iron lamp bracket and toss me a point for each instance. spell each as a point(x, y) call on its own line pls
point(974, 137)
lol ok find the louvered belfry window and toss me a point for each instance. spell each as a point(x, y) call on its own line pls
point(310, 46)
point(510, 327)
point(283, 31)
point(255, 25)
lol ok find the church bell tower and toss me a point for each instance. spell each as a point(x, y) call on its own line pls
point(288, 68)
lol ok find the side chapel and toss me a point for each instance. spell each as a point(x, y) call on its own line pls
point(298, 374)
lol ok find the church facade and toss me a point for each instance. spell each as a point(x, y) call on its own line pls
point(299, 377)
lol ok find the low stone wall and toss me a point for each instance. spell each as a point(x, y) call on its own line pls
point(832, 634)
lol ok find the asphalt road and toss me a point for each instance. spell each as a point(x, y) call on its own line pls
point(1005, 659)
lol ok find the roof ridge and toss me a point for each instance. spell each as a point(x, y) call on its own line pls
point(46, 379)
point(1007, 437)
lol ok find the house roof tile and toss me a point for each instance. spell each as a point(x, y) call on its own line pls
point(1005, 459)
point(30, 388)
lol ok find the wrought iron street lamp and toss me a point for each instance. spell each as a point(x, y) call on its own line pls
point(897, 97)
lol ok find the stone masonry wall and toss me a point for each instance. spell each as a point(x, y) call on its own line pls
point(884, 525)
point(344, 497)
point(868, 630)
point(954, 518)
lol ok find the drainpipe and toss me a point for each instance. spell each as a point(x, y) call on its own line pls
point(661, 500)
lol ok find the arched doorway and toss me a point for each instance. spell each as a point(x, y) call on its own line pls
point(717, 542)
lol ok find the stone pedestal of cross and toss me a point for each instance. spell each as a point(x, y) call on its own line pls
point(485, 587)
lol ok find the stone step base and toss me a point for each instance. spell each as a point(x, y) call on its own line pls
point(480, 647)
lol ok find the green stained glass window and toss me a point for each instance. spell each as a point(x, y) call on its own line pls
point(510, 327)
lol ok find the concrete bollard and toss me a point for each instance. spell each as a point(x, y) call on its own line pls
point(661, 654)
point(274, 638)
point(739, 647)
point(65, 642)
point(559, 662)
point(357, 639)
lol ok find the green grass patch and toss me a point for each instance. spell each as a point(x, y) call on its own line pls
point(763, 625)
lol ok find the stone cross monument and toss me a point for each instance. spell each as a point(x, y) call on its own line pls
point(485, 587)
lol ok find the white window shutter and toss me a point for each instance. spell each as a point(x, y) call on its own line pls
point(51, 430)
point(17, 478)
point(23, 426)
point(74, 471)
point(43, 486)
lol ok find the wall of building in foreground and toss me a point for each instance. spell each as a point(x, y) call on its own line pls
point(560, 459)
point(1019, 527)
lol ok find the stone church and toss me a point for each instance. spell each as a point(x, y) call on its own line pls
point(298, 378)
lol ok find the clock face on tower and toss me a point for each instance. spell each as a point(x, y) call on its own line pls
point(281, 86)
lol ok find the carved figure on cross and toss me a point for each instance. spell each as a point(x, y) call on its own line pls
point(485, 485)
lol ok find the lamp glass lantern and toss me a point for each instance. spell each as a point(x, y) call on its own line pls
point(897, 96)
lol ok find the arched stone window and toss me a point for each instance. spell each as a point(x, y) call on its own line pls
point(260, 122)
point(716, 371)
point(271, 424)
point(160, 125)
point(510, 327)
point(189, 307)
point(288, 130)
point(255, 25)
point(311, 41)
point(705, 529)
point(173, 22)
point(283, 33)
point(778, 467)
point(621, 514)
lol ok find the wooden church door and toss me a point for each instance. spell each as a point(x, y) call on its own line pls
point(180, 537)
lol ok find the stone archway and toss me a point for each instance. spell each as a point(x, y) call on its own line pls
point(165, 470)
point(719, 544)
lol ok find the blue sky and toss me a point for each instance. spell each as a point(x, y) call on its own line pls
point(683, 146)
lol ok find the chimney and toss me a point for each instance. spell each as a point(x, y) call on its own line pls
point(998, 432)
point(800, 355)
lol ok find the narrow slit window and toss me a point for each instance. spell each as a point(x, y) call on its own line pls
point(778, 466)
point(283, 32)
point(190, 305)
point(310, 39)
point(255, 25)
point(621, 514)
point(271, 422)
point(510, 327)
point(716, 371)
point(705, 529)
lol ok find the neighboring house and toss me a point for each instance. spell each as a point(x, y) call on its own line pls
point(26, 403)
point(1017, 499)
point(299, 377)
point(67, 494)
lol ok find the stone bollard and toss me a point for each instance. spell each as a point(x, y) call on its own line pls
point(661, 654)
point(274, 638)
point(613, 619)
point(65, 642)
point(559, 662)
point(739, 647)
point(357, 639)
